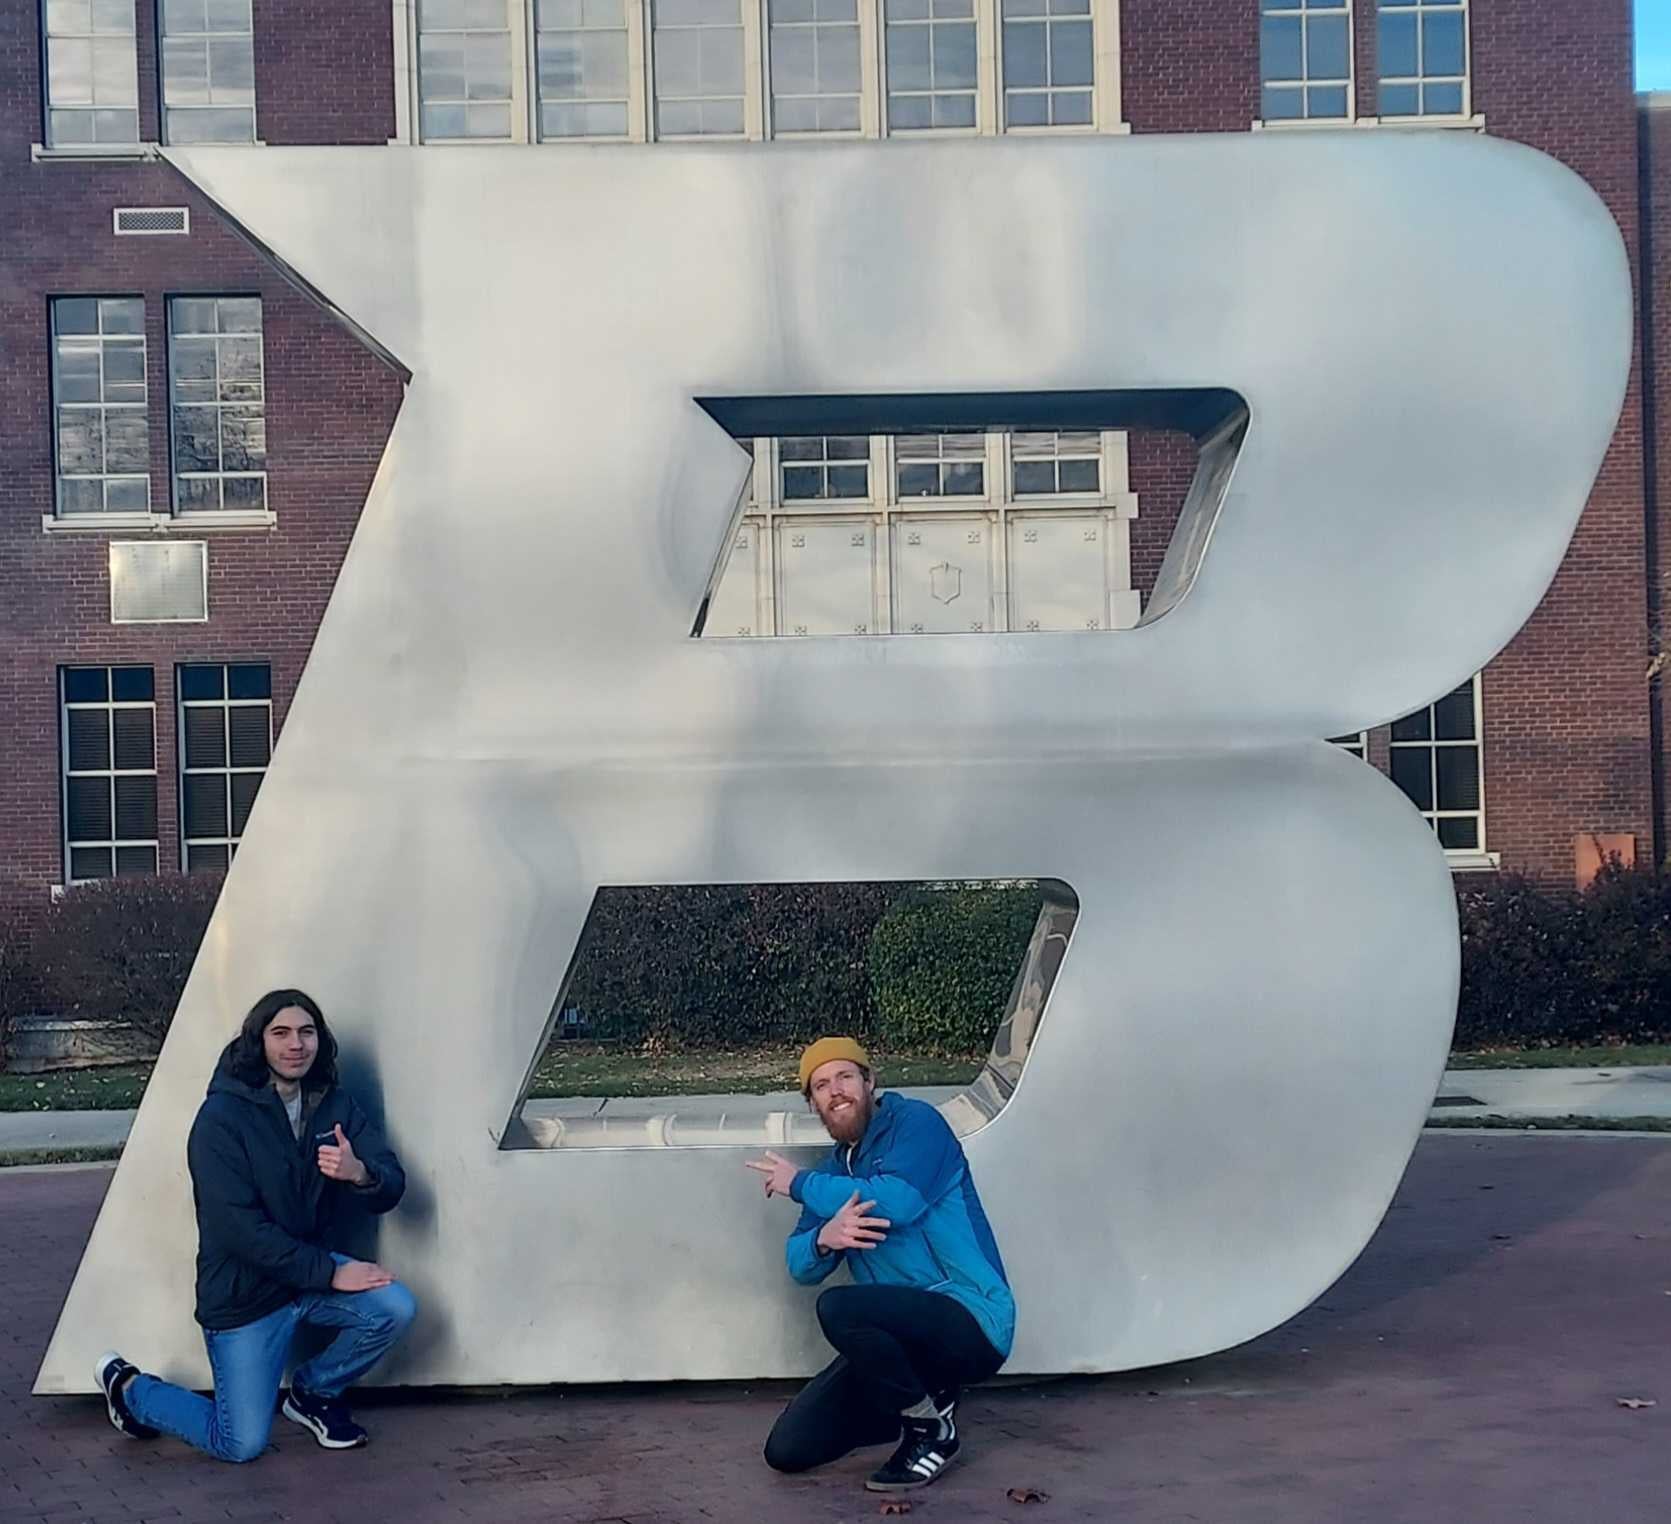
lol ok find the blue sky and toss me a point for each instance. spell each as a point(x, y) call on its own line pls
point(1653, 44)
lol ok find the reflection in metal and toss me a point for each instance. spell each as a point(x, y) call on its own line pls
point(504, 708)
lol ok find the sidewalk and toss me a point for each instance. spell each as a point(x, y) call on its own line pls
point(782, 1118)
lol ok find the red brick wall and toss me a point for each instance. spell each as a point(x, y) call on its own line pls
point(1655, 169)
point(1567, 746)
point(1566, 706)
point(1189, 65)
point(1162, 465)
point(330, 406)
point(324, 71)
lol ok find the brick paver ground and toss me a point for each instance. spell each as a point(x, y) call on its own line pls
point(1467, 1368)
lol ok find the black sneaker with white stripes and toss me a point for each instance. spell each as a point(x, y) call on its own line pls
point(927, 1448)
point(113, 1373)
point(326, 1418)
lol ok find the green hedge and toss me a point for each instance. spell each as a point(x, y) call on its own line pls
point(910, 967)
point(1546, 966)
point(943, 963)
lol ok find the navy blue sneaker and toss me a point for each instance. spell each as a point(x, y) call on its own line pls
point(926, 1449)
point(326, 1418)
point(113, 1373)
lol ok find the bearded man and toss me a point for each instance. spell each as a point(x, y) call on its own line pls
point(929, 1310)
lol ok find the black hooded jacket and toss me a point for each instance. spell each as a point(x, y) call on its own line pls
point(266, 1217)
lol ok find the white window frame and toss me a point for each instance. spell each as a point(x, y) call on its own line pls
point(97, 146)
point(225, 704)
point(757, 104)
point(1305, 84)
point(1479, 855)
point(633, 14)
point(519, 23)
point(751, 18)
point(1465, 116)
point(196, 515)
point(869, 63)
point(767, 514)
point(164, 110)
point(110, 705)
point(103, 408)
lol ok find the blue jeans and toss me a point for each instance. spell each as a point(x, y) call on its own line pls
point(248, 1367)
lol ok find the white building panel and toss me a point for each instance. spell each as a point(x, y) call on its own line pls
point(944, 574)
point(826, 577)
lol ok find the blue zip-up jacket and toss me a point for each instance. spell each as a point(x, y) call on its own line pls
point(911, 1165)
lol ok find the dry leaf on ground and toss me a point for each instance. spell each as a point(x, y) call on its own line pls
point(895, 1506)
point(1636, 1402)
point(1028, 1495)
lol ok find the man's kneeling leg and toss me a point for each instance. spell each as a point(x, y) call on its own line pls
point(831, 1416)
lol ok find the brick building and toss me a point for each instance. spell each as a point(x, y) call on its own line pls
point(186, 438)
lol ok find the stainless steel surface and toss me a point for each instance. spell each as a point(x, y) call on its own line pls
point(504, 707)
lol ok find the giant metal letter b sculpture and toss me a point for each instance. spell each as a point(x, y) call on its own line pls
point(1419, 345)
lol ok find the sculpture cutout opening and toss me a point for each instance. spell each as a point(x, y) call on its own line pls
point(968, 514)
point(897, 949)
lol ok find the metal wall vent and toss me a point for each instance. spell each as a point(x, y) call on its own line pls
point(152, 219)
point(159, 581)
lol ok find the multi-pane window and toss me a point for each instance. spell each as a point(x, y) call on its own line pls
point(940, 465)
point(218, 396)
point(92, 72)
point(98, 394)
point(815, 65)
point(226, 739)
point(109, 739)
point(1305, 59)
point(1044, 465)
point(464, 69)
point(1048, 63)
point(580, 52)
point(1356, 742)
point(926, 534)
point(1422, 55)
point(698, 67)
point(1436, 761)
point(825, 465)
point(208, 71)
point(930, 50)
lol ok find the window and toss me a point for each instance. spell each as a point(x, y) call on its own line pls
point(940, 465)
point(1436, 761)
point(208, 71)
point(464, 70)
point(698, 68)
point(218, 396)
point(815, 65)
point(1048, 63)
point(825, 465)
point(109, 739)
point(560, 71)
point(1044, 465)
point(920, 534)
point(226, 739)
point(1422, 52)
point(930, 49)
point(1305, 60)
point(100, 425)
point(1357, 743)
point(92, 72)
point(581, 60)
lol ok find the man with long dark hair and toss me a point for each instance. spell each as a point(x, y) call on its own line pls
point(281, 1160)
point(930, 1310)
